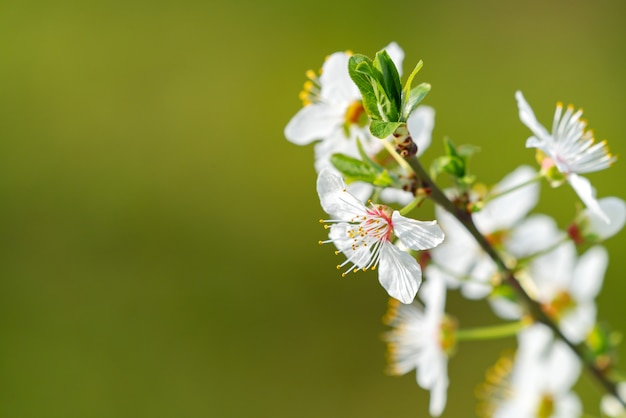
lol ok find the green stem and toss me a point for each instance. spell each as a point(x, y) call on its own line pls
point(491, 332)
point(501, 193)
point(532, 307)
point(412, 205)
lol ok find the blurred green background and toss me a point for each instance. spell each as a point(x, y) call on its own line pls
point(159, 235)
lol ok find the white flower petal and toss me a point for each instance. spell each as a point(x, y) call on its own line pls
point(334, 198)
point(360, 256)
point(313, 122)
point(475, 290)
point(439, 393)
point(505, 211)
point(615, 209)
point(552, 272)
point(335, 81)
point(505, 308)
point(416, 235)
point(587, 194)
point(527, 117)
point(534, 234)
point(420, 125)
point(589, 273)
point(567, 406)
point(562, 368)
point(399, 273)
point(392, 195)
point(396, 54)
point(579, 321)
point(433, 292)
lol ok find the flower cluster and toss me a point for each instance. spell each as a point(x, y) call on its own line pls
point(540, 278)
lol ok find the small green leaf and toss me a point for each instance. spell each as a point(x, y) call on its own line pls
point(415, 96)
point(366, 157)
point(449, 164)
point(390, 80)
point(361, 72)
point(382, 129)
point(383, 179)
point(356, 170)
point(409, 81)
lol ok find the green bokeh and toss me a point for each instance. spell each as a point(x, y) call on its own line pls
point(159, 235)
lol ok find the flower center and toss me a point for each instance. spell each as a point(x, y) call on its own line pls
point(545, 409)
point(363, 237)
point(355, 114)
point(559, 305)
point(447, 334)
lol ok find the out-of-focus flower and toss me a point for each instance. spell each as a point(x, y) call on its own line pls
point(569, 148)
point(566, 286)
point(542, 378)
point(422, 338)
point(366, 234)
point(591, 227)
point(502, 221)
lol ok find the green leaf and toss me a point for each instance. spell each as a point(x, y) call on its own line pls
point(356, 170)
point(361, 70)
point(409, 81)
point(382, 129)
point(449, 164)
point(390, 81)
point(366, 157)
point(449, 147)
point(415, 96)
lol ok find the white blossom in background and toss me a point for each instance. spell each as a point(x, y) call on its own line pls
point(566, 286)
point(333, 117)
point(422, 338)
point(499, 220)
point(366, 234)
point(592, 227)
point(569, 148)
point(541, 381)
point(612, 407)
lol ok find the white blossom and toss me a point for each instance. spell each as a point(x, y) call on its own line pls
point(566, 285)
point(334, 118)
point(502, 221)
point(569, 148)
point(594, 227)
point(542, 378)
point(422, 339)
point(366, 234)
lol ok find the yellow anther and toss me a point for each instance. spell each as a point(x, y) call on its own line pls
point(337, 252)
point(308, 85)
point(320, 242)
point(311, 74)
point(321, 221)
point(326, 226)
point(559, 104)
point(338, 267)
point(343, 274)
point(355, 270)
